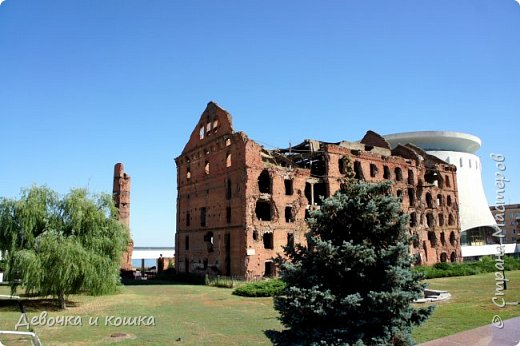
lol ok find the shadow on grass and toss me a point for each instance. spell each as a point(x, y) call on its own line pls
point(32, 305)
point(282, 338)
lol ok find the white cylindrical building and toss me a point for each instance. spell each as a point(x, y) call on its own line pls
point(477, 222)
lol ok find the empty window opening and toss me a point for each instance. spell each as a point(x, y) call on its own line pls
point(441, 220)
point(413, 219)
point(386, 172)
point(290, 240)
point(268, 240)
point(203, 217)
point(289, 214)
point(228, 189)
point(398, 174)
point(208, 127)
point(430, 220)
point(444, 257)
point(342, 165)
point(440, 200)
point(452, 238)
point(255, 235)
point(228, 214)
point(264, 182)
point(358, 171)
point(443, 239)
point(400, 194)
point(453, 257)
point(451, 220)
point(373, 170)
point(411, 178)
point(188, 221)
point(447, 179)
point(320, 193)
point(228, 142)
point(215, 125)
point(425, 249)
point(433, 178)
point(268, 270)
point(208, 239)
point(206, 167)
point(448, 200)
point(432, 238)
point(228, 160)
point(288, 187)
point(319, 167)
point(263, 210)
point(429, 203)
point(201, 132)
point(188, 173)
point(411, 197)
point(415, 240)
point(187, 242)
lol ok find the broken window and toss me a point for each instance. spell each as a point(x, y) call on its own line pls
point(263, 210)
point(443, 239)
point(386, 172)
point(373, 170)
point(320, 193)
point(201, 132)
point(208, 127)
point(413, 219)
point(411, 196)
point(188, 220)
point(400, 194)
point(228, 189)
point(228, 160)
point(439, 200)
point(208, 239)
point(319, 167)
point(203, 217)
point(432, 177)
point(215, 125)
point(453, 257)
point(441, 219)
point(447, 179)
point(228, 214)
point(452, 238)
point(187, 242)
point(432, 238)
point(451, 220)
point(268, 240)
point(429, 203)
point(358, 171)
point(206, 167)
point(290, 240)
point(268, 271)
point(289, 214)
point(288, 187)
point(448, 201)
point(398, 174)
point(444, 257)
point(341, 165)
point(228, 142)
point(430, 220)
point(188, 173)
point(411, 178)
point(264, 182)
point(255, 235)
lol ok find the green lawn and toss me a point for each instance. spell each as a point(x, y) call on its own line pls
point(200, 315)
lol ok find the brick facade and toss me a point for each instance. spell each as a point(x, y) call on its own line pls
point(239, 203)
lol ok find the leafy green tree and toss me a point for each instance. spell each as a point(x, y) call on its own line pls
point(352, 284)
point(60, 246)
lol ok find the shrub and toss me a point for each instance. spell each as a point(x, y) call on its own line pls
point(485, 265)
point(264, 288)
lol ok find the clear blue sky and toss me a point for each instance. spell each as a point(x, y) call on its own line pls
point(86, 83)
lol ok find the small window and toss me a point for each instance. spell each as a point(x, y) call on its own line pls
point(373, 170)
point(228, 214)
point(228, 160)
point(443, 239)
point(432, 238)
point(452, 238)
point(187, 242)
point(441, 219)
point(208, 127)
point(268, 240)
point(429, 203)
point(447, 180)
point(451, 220)
point(386, 172)
point(289, 214)
point(201, 132)
point(288, 187)
point(268, 269)
point(188, 221)
point(358, 171)
point(290, 240)
point(400, 194)
point(228, 189)
point(206, 167)
point(411, 197)
point(440, 200)
point(453, 257)
point(448, 200)
point(188, 173)
point(411, 178)
point(430, 220)
point(203, 217)
point(264, 182)
point(228, 142)
point(263, 210)
point(413, 219)
point(215, 125)
point(398, 174)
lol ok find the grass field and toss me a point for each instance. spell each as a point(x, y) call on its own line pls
point(201, 315)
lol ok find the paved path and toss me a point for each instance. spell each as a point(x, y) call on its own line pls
point(489, 335)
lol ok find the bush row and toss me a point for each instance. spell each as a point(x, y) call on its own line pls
point(264, 288)
point(484, 265)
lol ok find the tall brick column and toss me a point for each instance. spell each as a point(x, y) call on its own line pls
point(121, 194)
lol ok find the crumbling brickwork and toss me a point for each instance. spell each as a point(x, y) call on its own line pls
point(121, 195)
point(239, 203)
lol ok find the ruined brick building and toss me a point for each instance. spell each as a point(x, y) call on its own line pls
point(121, 195)
point(239, 203)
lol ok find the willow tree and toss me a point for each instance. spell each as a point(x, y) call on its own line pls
point(352, 284)
point(60, 246)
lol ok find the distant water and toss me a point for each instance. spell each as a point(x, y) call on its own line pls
point(147, 263)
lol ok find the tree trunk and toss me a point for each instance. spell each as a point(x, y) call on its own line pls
point(61, 300)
